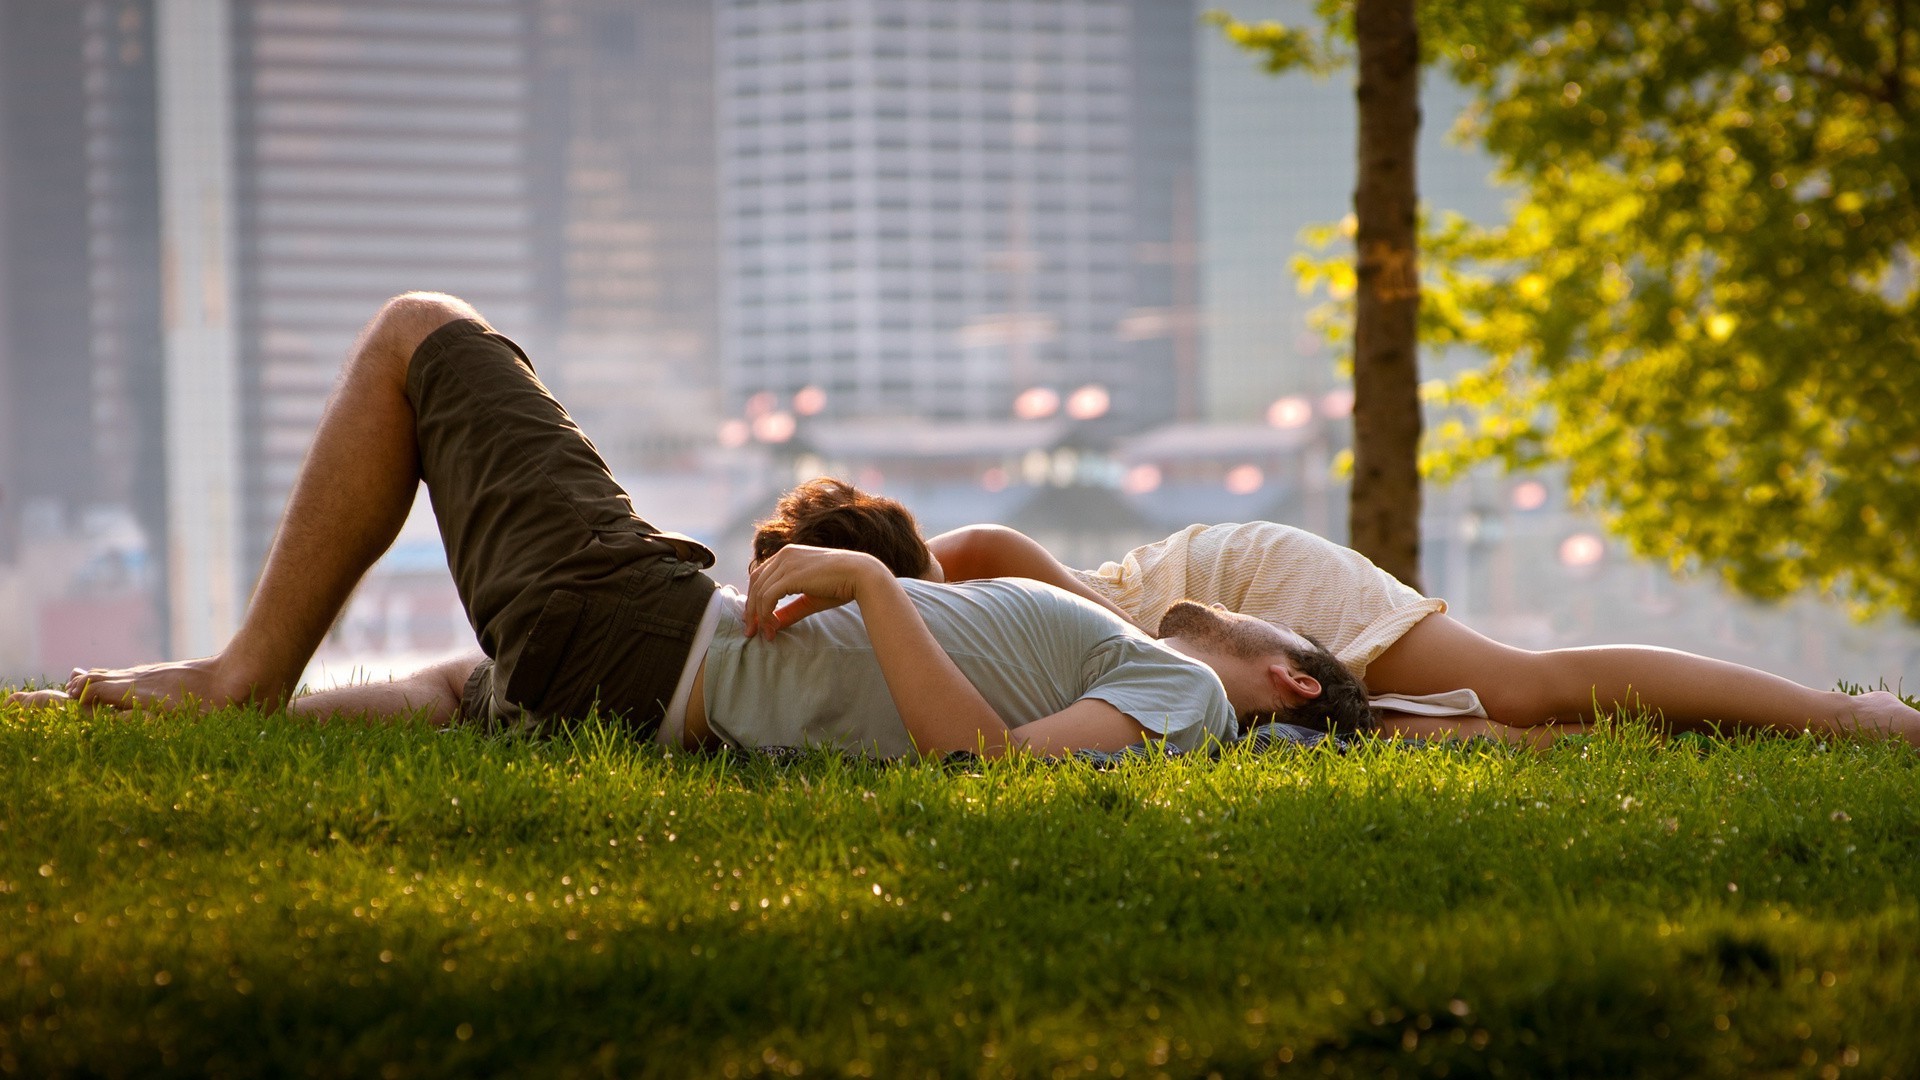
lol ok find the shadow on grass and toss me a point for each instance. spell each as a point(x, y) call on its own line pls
point(1578, 993)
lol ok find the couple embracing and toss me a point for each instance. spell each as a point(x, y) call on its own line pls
point(854, 631)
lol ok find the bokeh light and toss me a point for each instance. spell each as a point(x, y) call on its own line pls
point(1036, 403)
point(761, 404)
point(1582, 550)
point(1291, 411)
point(774, 427)
point(1089, 402)
point(809, 400)
point(1141, 479)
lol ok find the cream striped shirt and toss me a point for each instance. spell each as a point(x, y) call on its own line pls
point(1273, 572)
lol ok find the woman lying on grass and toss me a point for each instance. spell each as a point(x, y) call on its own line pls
point(1397, 641)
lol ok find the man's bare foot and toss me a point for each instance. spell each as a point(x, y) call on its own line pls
point(197, 684)
point(38, 697)
point(1883, 714)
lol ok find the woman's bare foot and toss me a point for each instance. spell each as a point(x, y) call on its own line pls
point(199, 684)
point(1883, 714)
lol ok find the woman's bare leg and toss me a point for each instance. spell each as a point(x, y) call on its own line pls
point(347, 505)
point(1522, 689)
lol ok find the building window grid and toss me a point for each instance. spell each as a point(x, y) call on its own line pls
point(1078, 218)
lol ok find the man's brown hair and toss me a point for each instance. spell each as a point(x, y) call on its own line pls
point(830, 513)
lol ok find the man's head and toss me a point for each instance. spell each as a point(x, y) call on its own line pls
point(833, 514)
point(1269, 670)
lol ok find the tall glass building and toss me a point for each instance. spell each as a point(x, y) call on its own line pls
point(379, 148)
point(930, 206)
point(624, 204)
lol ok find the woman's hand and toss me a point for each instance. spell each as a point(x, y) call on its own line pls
point(822, 578)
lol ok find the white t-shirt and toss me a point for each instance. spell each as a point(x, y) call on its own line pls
point(1030, 649)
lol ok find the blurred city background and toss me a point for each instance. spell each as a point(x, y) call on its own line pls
point(1024, 261)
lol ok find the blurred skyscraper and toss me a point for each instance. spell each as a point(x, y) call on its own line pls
point(625, 203)
point(79, 266)
point(1277, 155)
point(45, 411)
point(271, 170)
point(380, 148)
point(930, 206)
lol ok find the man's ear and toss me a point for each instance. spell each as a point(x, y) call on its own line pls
point(1293, 683)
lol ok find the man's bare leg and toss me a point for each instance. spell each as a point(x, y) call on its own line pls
point(432, 693)
point(1522, 689)
point(347, 505)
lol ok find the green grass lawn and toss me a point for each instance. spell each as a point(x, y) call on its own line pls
point(245, 895)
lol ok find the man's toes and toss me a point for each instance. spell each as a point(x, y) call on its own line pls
point(38, 697)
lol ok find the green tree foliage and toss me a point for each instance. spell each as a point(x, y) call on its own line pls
point(1704, 304)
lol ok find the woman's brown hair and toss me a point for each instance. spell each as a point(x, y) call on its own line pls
point(830, 513)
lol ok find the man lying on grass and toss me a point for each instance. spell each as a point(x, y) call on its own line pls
point(580, 604)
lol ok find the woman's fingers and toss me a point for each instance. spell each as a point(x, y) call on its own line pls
point(791, 613)
point(822, 577)
point(766, 587)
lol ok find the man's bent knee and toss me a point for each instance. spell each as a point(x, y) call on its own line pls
point(410, 318)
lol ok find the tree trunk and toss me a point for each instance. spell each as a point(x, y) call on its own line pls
point(1384, 508)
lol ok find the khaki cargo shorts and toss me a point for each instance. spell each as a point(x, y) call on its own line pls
point(578, 603)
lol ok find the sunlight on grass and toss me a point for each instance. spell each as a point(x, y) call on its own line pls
point(246, 894)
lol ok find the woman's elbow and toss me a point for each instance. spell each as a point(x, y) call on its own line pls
point(972, 552)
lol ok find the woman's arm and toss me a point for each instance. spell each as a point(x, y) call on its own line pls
point(1403, 726)
point(972, 552)
point(942, 710)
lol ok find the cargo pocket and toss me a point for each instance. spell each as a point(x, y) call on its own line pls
point(545, 651)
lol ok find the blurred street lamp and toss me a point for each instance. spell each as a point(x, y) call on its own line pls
point(773, 427)
point(809, 400)
point(1036, 403)
point(1245, 479)
point(1529, 495)
point(1337, 404)
point(1581, 550)
point(1290, 412)
point(1141, 479)
point(1090, 402)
